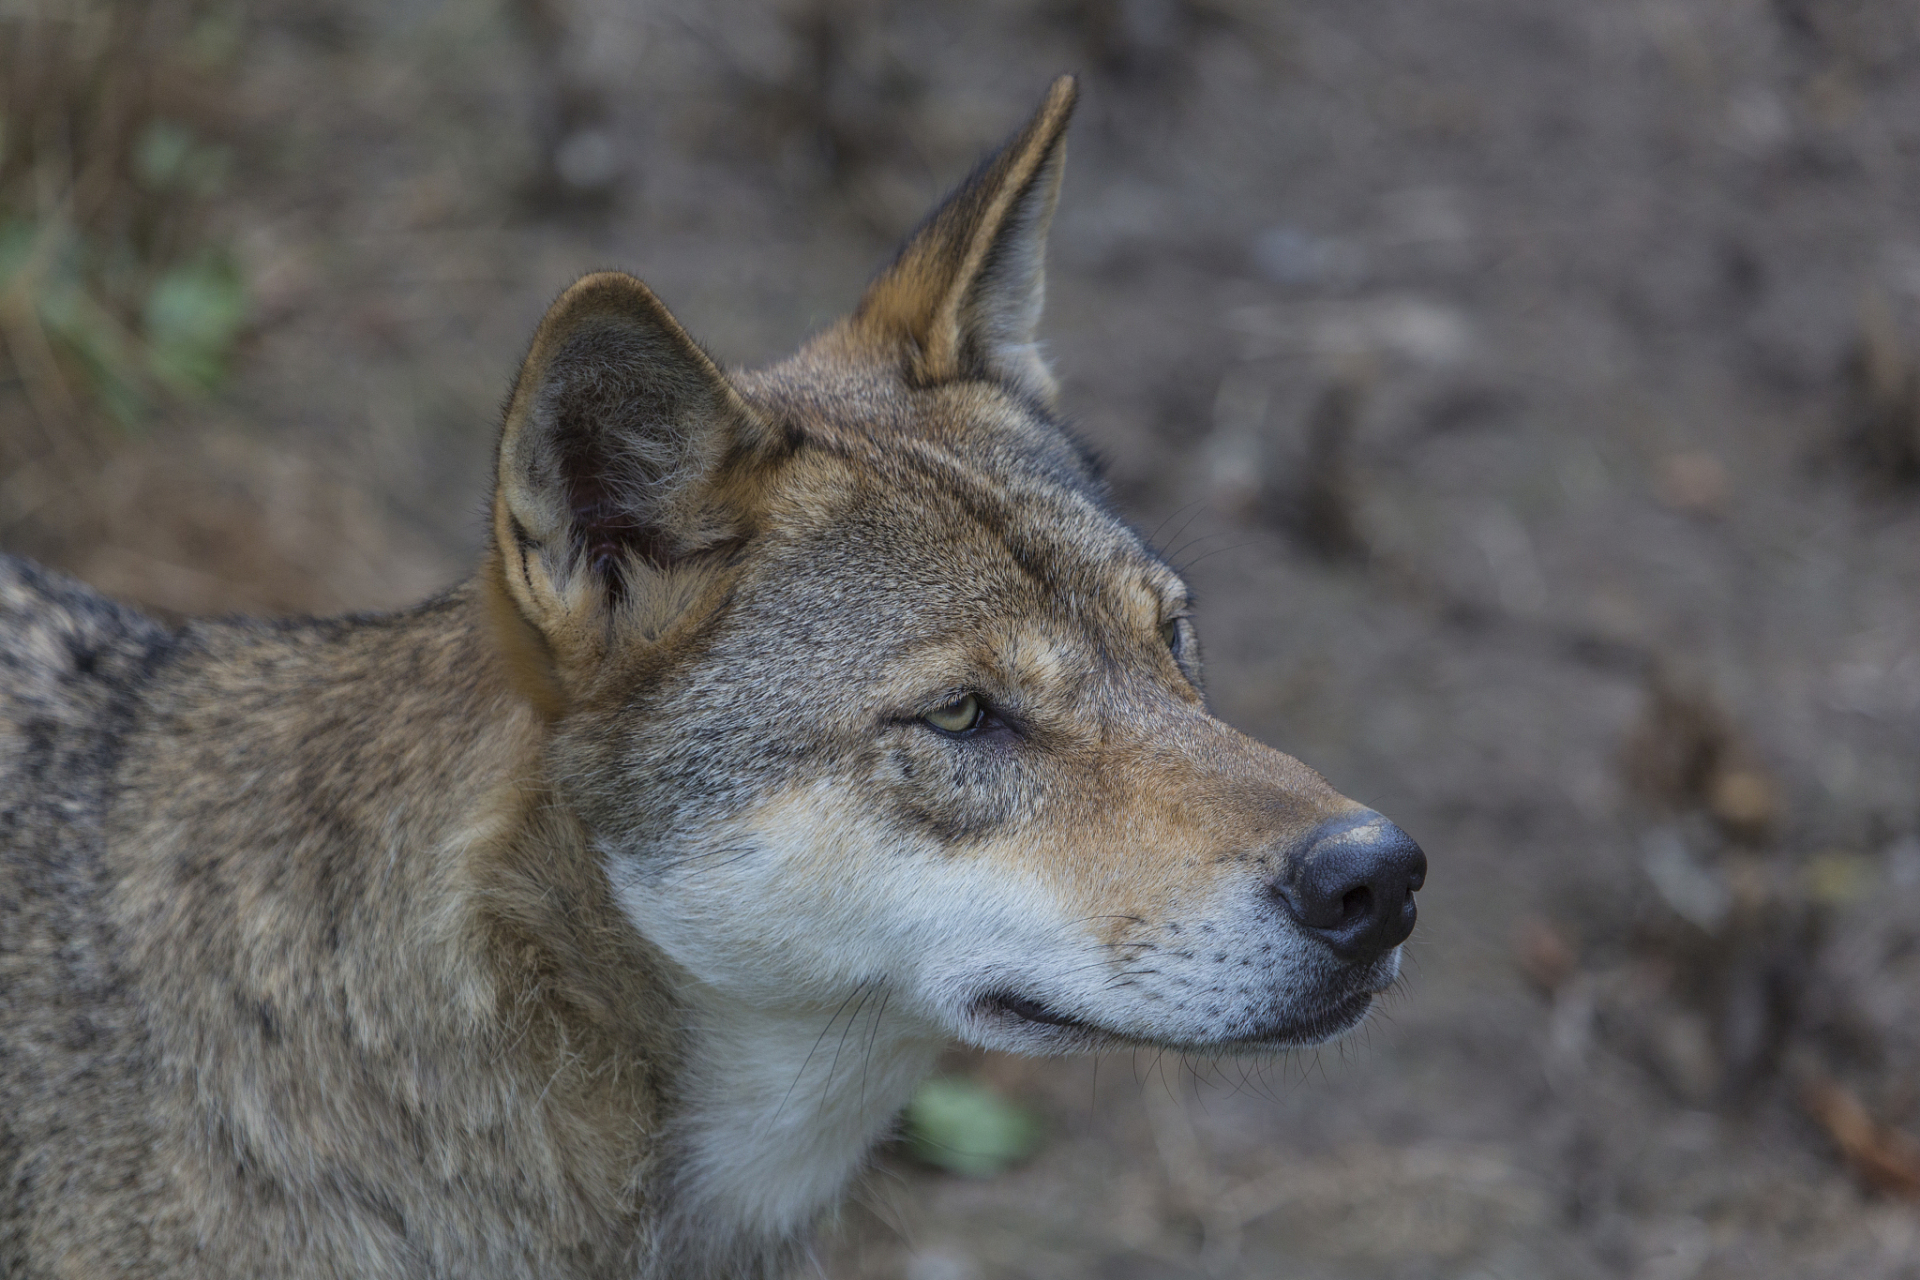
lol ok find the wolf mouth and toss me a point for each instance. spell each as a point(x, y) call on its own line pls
point(1339, 1017)
point(1031, 1011)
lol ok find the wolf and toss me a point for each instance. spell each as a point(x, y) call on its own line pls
point(822, 711)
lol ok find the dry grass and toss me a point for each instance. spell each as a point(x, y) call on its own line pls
point(111, 297)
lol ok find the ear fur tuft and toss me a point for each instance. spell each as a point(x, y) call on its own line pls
point(963, 297)
point(615, 436)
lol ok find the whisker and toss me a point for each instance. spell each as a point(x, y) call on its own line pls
point(1153, 539)
point(865, 989)
point(816, 1048)
point(1195, 508)
point(873, 1037)
point(1238, 546)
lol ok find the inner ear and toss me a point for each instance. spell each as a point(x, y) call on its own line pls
point(631, 437)
point(617, 438)
point(963, 298)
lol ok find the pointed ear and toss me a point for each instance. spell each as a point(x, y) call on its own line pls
point(608, 491)
point(963, 297)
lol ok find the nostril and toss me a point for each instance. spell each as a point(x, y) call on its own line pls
point(1353, 885)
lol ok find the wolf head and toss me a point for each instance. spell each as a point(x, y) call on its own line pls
point(856, 681)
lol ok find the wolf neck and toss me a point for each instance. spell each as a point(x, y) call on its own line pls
point(475, 906)
point(782, 1108)
point(767, 1113)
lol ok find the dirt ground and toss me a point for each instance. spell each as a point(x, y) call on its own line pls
point(1531, 389)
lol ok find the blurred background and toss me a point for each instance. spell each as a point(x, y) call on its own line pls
point(1530, 387)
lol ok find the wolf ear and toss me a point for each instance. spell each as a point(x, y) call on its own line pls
point(963, 297)
point(616, 436)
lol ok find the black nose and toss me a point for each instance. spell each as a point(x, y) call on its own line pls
point(1352, 883)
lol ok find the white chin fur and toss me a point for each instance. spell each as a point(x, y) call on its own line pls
point(826, 967)
point(784, 1106)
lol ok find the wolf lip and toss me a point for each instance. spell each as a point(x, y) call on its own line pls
point(1342, 1016)
point(1029, 1010)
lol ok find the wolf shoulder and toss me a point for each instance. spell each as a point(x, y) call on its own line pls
point(73, 668)
point(63, 644)
point(71, 662)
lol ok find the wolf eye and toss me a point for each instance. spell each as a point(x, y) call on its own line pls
point(962, 715)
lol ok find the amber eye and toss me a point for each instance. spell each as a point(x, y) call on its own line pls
point(959, 716)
